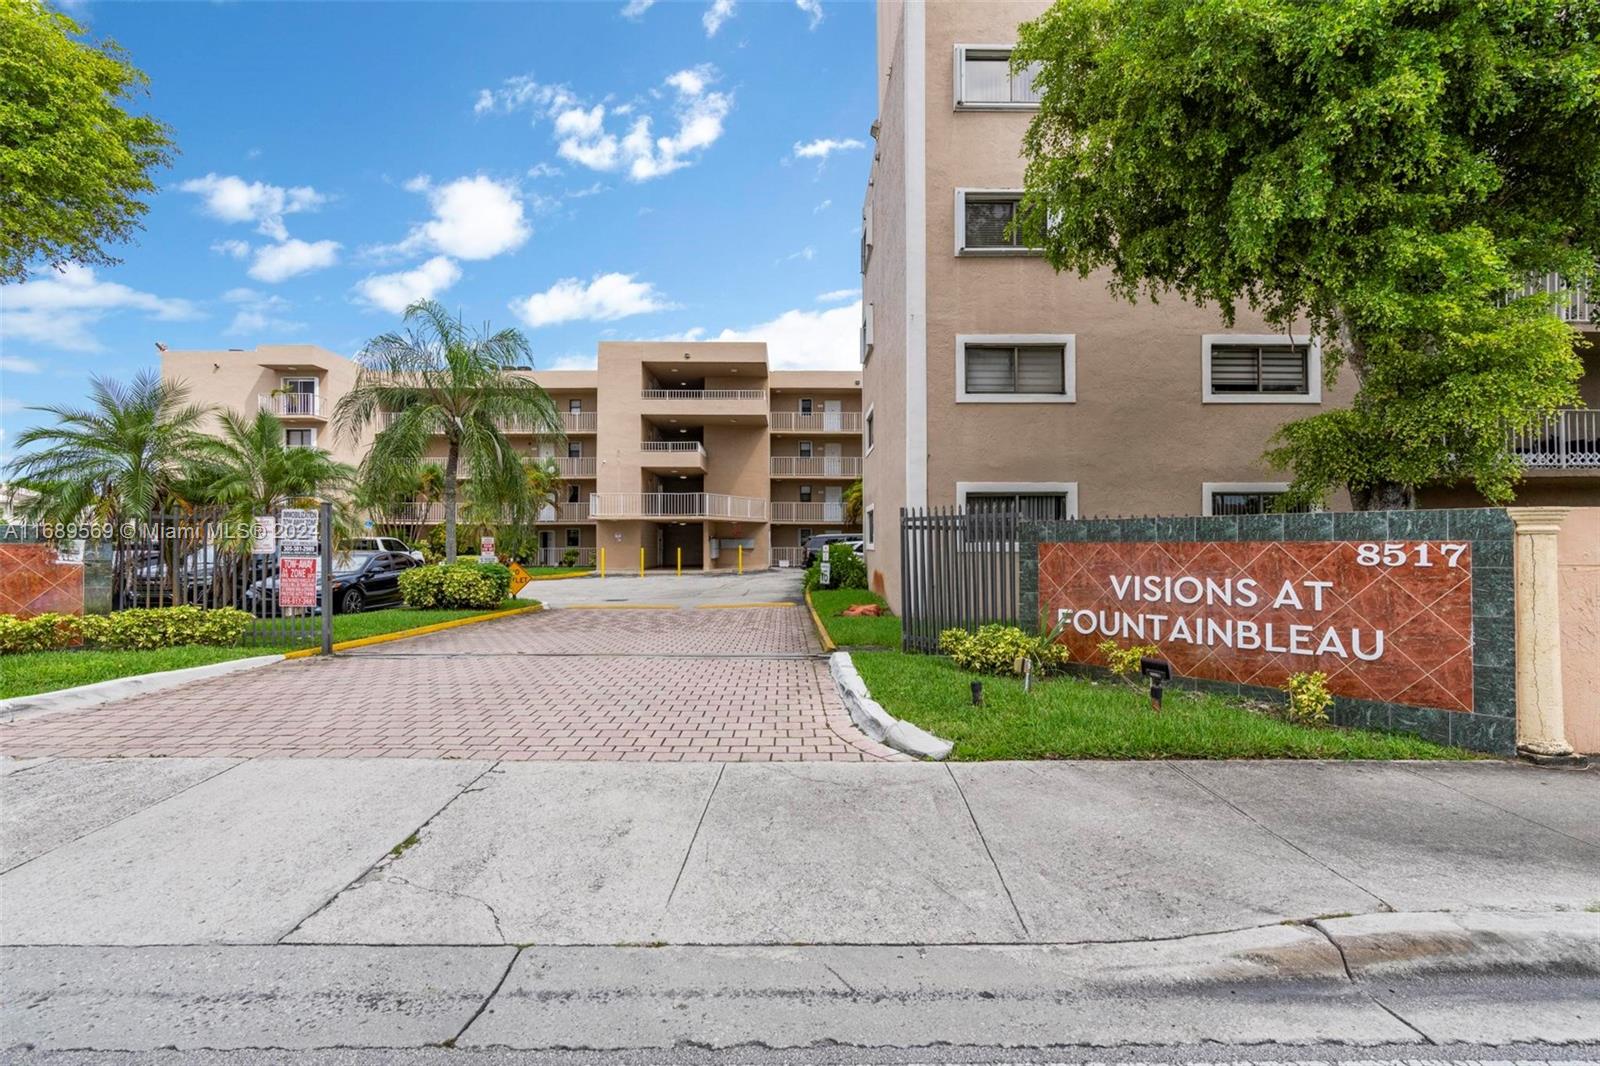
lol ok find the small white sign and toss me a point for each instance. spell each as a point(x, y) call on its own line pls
point(827, 570)
point(69, 552)
point(486, 550)
point(263, 535)
point(297, 532)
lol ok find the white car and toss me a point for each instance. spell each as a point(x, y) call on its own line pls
point(386, 544)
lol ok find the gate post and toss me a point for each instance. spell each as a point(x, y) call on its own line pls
point(1541, 720)
point(325, 538)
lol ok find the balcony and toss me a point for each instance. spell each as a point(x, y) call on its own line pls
point(818, 422)
point(817, 466)
point(810, 513)
point(1581, 306)
point(581, 421)
point(292, 404)
point(431, 514)
point(691, 405)
point(576, 466)
point(1569, 441)
point(673, 456)
point(612, 505)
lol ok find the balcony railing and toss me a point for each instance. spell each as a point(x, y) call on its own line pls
point(818, 422)
point(788, 556)
point(1581, 304)
point(677, 505)
point(557, 557)
point(816, 466)
point(578, 466)
point(580, 421)
point(1569, 441)
point(431, 514)
point(291, 404)
point(703, 394)
point(673, 446)
point(786, 511)
point(571, 422)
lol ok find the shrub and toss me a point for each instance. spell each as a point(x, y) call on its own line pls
point(1309, 699)
point(1124, 662)
point(461, 584)
point(848, 571)
point(1002, 649)
point(569, 557)
point(138, 629)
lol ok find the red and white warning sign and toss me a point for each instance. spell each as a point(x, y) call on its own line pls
point(297, 582)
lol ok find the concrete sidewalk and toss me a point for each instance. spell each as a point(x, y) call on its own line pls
point(201, 903)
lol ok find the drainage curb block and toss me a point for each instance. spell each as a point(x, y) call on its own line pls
point(876, 722)
point(822, 631)
point(95, 693)
point(419, 631)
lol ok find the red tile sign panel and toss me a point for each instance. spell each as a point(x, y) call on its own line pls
point(1389, 621)
point(33, 582)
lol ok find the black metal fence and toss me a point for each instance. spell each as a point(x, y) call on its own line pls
point(958, 569)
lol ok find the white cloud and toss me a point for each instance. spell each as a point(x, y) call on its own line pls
point(232, 199)
point(395, 292)
point(571, 361)
point(583, 136)
point(258, 312)
point(15, 364)
point(637, 8)
point(719, 12)
point(58, 309)
point(233, 249)
point(823, 147)
point(808, 340)
point(807, 253)
point(812, 8)
point(279, 262)
point(835, 295)
point(544, 170)
point(823, 206)
point(605, 298)
point(473, 218)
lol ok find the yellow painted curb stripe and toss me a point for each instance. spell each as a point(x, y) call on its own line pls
point(822, 632)
point(559, 577)
point(619, 607)
point(738, 606)
point(402, 634)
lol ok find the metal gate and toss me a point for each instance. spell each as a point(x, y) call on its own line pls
point(205, 558)
point(958, 570)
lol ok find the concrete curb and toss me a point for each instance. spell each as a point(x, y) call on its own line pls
point(418, 631)
point(877, 723)
point(1502, 943)
point(83, 697)
point(822, 631)
point(559, 577)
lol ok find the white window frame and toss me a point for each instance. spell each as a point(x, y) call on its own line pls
point(1313, 369)
point(960, 80)
point(866, 332)
point(311, 430)
point(1069, 489)
point(1069, 345)
point(1209, 487)
point(866, 233)
point(805, 406)
point(868, 433)
point(961, 226)
point(869, 525)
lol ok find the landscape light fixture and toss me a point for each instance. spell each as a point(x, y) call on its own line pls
point(1157, 671)
point(977, 693)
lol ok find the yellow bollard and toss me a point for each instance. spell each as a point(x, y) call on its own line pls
point(680, 562)
point(741, 560)
point(641, 560)
point(602, 562)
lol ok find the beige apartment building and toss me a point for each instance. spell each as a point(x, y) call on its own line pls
point(990, 380)
point(691, 452)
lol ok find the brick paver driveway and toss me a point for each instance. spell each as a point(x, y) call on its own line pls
point(742, 683)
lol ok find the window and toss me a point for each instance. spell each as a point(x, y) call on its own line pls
point(1234, 498)
point(805, 493)
point(1033, 500)
point(805, 405)
point(573, 537)
point(299, 438)
point(1015, 369)
point(869, 437)
point(983, 221)
point(805, 449)
point(984, 78)
point(299, 396)
point(1260, 369)
point(871, 525)
point(866, 332)
point(866, 234)
point(572, 494)
point(574, 449)
point(575, 406)
point(805, 535)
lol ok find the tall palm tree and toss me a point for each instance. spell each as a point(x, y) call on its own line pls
point(440, 379)
point(250, 470)
point(118, 458)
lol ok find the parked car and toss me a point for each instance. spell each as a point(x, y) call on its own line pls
point(361, 579)
point(858, 546)
point(386, 544)
point(814, 545)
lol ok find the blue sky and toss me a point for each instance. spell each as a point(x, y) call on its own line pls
point(612, 169)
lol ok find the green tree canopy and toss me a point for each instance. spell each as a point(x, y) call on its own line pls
point(1379, 173)
point(249, 469)
point(74, 163)
point(440, 381)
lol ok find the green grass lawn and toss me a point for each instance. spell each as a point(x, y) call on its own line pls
point(545, 571)
point(1072, 718)
point(883, 631)
point(47, 671)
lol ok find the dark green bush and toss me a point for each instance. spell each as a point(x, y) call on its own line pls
point(460, 584)
point(138, 629)
point(849, 570)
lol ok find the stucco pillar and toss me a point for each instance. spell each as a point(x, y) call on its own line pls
point(1541, 725)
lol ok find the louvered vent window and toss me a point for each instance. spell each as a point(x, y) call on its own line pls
point(1031, 506)
point(1032, 369)
point(1277, 369)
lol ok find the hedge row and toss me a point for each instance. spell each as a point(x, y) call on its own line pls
point(460, 584)
point(141, 628)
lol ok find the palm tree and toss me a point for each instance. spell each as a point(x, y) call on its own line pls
point(117, 459)
point(249, 470)
point(852, 502)
point(441, 379)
